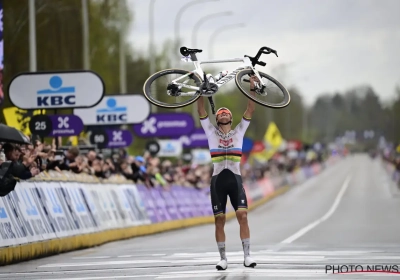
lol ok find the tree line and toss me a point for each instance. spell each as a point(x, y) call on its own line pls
point(59, 47)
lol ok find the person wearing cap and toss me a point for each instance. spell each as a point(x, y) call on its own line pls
point(225, 146)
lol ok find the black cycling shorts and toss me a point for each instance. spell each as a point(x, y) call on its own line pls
point(227, 184)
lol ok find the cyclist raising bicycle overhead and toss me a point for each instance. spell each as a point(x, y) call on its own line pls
point(225, 147)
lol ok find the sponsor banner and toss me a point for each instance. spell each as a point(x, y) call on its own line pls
point(183, 209)
point(198, 198)
point(130, 219)
point(196, 139)
point(69, 89)
point(160, 205)
point(170, 204)
point(110, 217)
point(73, 197)
point(18, 217)
point(151, 209)
point(34, 213)
point(8, 233)
point(119, 138)
point(169, 148)
point(136, 203)
point(95, 210)
point(66, 125)
point(307, 172)
point(165, 125)
point(116, 110)
point(46, 198)
point(201, 156)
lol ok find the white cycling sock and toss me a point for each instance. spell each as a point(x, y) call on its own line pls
point(221, 249)
point(246, 247)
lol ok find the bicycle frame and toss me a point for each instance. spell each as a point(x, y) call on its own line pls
point(246, 63)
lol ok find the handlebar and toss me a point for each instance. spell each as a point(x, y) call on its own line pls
point(264, 50)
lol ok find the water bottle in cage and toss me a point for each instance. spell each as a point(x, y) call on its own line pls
point(221, 75)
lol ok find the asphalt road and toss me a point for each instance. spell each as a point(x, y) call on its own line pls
point(347, 215)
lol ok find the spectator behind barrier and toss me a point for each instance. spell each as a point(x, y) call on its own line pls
point(22, 166)
point(148, 170)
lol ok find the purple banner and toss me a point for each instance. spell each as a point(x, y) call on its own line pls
point(163, 214)
point(165, 124)
point(197, 139)
point(171, 204)
point(66, 125)
point(151, 210)
point(181, 203)
point(119, 138)
point(308, 172)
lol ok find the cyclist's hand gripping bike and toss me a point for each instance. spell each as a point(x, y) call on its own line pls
point(175, 88)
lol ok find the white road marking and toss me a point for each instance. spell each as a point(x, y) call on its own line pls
point(84, 258)
point(103, 263)
point(259, 259)
point(102, 277)
point(309, 227)
point(243, 272)
point(157, 255)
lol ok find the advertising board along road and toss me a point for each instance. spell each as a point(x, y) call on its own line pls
point(53, 90)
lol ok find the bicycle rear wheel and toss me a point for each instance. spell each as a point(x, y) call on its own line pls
point(158, 88)
point(274, 95)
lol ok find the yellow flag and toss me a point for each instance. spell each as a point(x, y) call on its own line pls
point(19, 118)
point(273, 136)
point(398, 148)
point(74, 140)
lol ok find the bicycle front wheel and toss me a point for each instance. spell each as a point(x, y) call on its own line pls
point(172, 88)
point(274, 95)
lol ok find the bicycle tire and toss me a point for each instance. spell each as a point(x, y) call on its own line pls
point(152, 78)
point(285, 92)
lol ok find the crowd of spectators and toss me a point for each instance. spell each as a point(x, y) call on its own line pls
point(392, 158)
point(30, 160)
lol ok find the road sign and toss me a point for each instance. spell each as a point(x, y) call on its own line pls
point(41, 125)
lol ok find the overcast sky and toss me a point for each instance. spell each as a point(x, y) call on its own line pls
point(326, 45)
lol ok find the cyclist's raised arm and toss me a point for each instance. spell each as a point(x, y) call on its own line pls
point(200, 107)
point(251, 106)
point(204, 119)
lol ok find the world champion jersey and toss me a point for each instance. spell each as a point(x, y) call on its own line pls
point(225, 149)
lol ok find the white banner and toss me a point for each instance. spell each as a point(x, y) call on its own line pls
point(49, 198)
point(72, 89)
point(116, 109)
point(8, 234)
point(81, 209)
point(201, 156)
point(170, 148)
point(34, 214)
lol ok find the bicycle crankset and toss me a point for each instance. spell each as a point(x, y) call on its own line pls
point(208, 88)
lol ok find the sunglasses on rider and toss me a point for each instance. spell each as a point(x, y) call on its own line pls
point(223, 111)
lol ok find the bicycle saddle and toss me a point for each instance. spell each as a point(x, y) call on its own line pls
point(185, 51)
